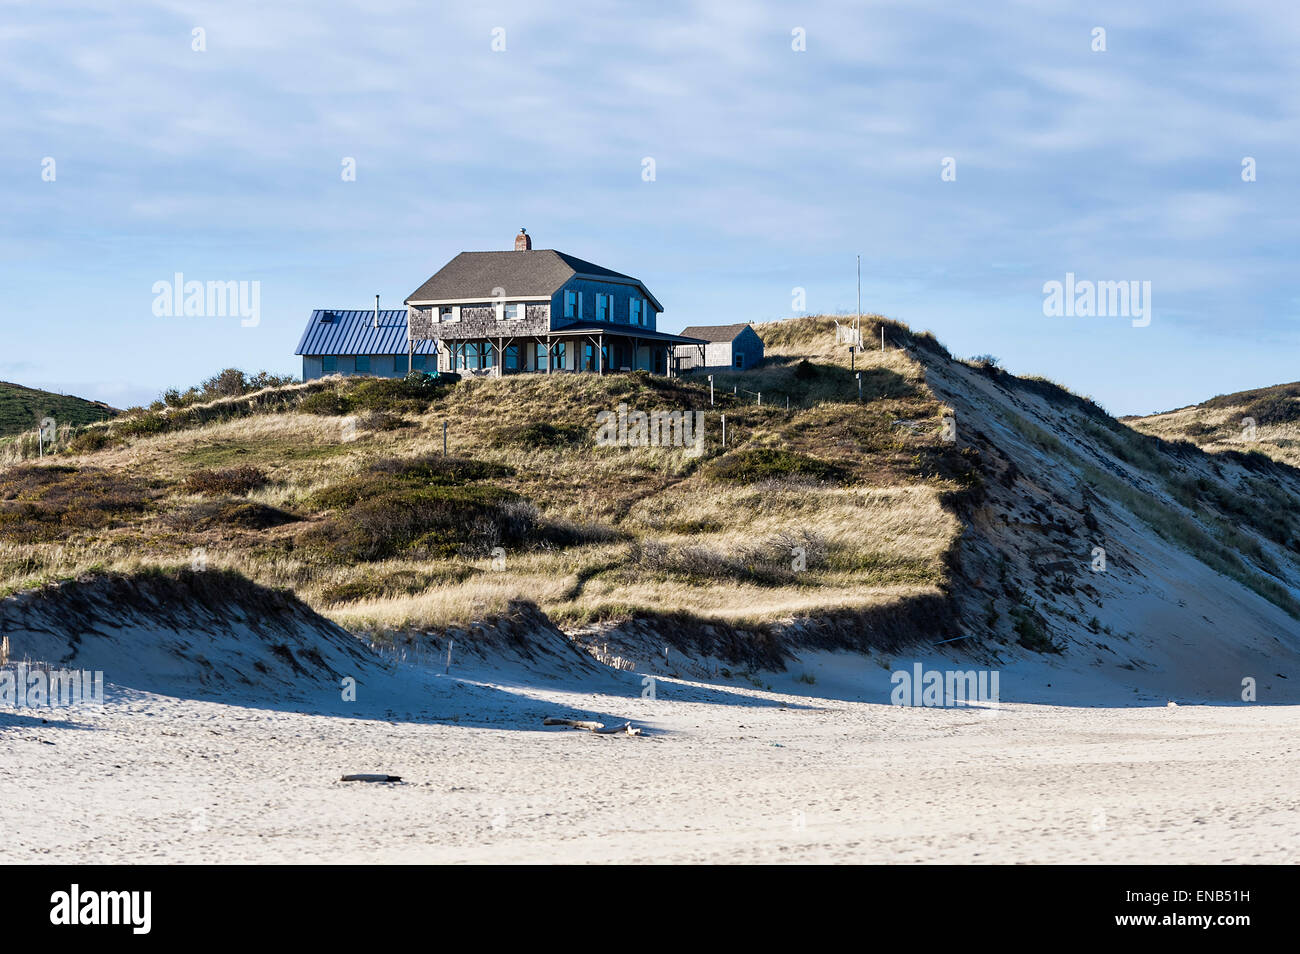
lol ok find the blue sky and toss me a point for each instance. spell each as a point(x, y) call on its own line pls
point(773, 169)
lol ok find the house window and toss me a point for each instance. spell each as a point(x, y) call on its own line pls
point(602, 307)
point(329, 364)
point(421, 362)
point(561, 351)
point(634, 311)
point(511, 360)
point(363, 364)
point(739, 360)
point(570, 304)
point(447, 313)
point(514, 312)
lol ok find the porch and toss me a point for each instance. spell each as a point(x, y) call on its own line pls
point(593, 348)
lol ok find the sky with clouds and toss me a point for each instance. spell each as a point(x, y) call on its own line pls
point(774, 168)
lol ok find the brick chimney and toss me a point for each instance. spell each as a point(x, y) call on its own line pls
point(523, 241)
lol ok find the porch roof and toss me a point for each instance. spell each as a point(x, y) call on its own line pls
point(622, 331)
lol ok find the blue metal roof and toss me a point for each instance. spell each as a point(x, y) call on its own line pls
point(337, 331)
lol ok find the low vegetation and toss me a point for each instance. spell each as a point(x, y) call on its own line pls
point(339, 489)
point(824, 502)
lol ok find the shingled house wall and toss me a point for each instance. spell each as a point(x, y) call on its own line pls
point(478, 321)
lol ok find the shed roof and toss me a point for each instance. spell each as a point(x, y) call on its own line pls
point(343, 331)
point(716, 333)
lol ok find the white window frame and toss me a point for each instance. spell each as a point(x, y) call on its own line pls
point(454, 312)
point(518, 306)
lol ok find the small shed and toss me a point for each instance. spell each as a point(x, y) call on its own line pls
point(735, 346)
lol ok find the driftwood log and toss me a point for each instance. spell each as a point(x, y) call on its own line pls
point(597, 727)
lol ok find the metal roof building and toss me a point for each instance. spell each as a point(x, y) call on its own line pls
point(342, 341)
point(338, 332)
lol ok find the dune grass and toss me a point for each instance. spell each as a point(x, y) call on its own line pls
point(290, 487)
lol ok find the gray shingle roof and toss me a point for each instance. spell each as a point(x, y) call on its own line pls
point(715, 333)
point(337, 331)
point(534, 274)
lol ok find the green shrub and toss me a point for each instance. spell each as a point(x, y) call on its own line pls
point(766, 463)
point(1276, 408)
point(431, 522)
point(543, 434)
point(242, 514)
point(412, 394)
point(385, 476)
point(382, 421)
point(89, 441)
point(1030, 631)
point(141, 425)
point(43, 503)
point(326, 404)
point(235, 481)
point(436, 469)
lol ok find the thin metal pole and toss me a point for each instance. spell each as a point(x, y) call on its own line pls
point(724, 430)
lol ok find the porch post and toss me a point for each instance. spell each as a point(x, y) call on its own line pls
point(600, 353)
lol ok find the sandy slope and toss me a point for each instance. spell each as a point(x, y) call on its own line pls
point(1185, 628)
point(732, 775)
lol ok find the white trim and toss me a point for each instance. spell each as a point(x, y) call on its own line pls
point(531, 299)
point(607, 280)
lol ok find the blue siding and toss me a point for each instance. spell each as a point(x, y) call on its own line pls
point(622, 294)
